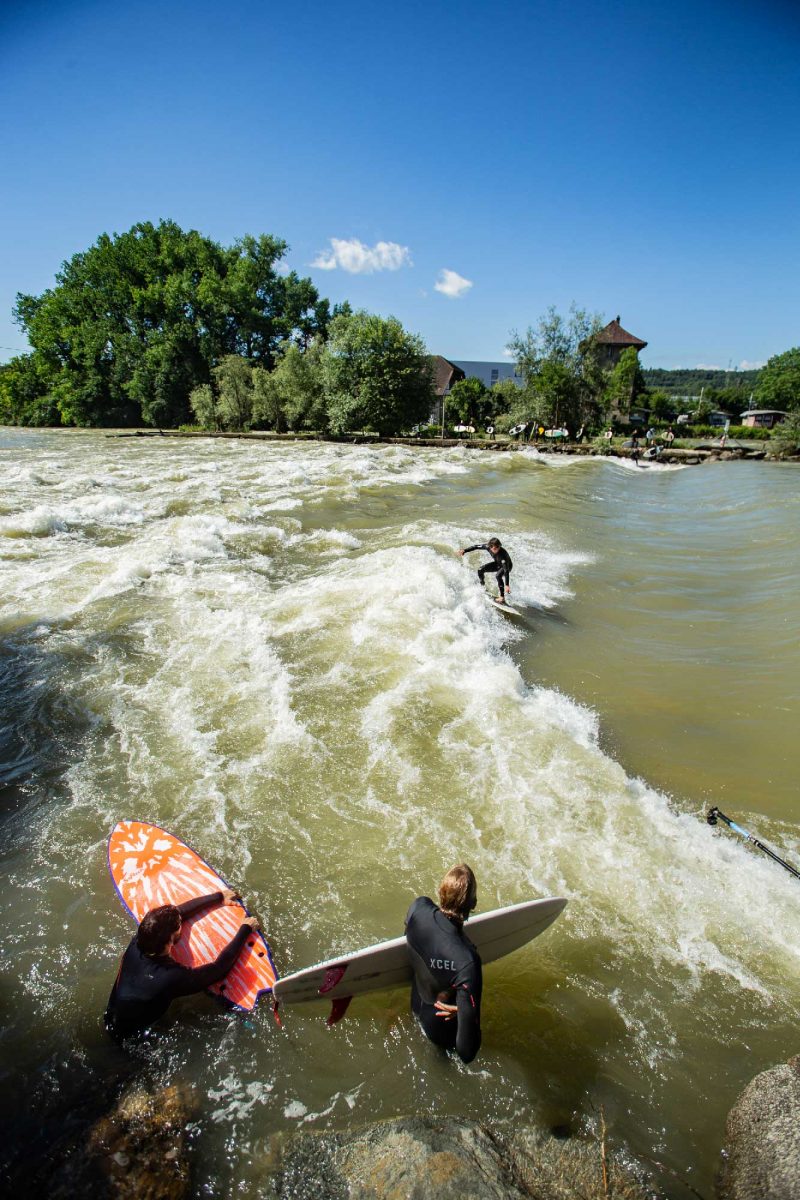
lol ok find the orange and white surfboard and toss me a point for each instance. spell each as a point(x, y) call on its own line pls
point(150, 867)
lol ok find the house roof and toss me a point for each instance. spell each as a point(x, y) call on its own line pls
point(763, 412)
point(445, 374)
point(615, 335)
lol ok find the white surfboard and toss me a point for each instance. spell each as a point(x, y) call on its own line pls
point(386, 965)
point(507, 608)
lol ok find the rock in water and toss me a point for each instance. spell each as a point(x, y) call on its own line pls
point(430, 1159)
point(762, 1138)
point(141, 1145)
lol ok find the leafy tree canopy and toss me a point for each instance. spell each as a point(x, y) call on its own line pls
point(779, 382)
point(140, 319)
point(558, 360)
point(625, 383)
point(469, 401)
point(376, 375)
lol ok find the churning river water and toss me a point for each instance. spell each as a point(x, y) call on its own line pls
point(275, 652)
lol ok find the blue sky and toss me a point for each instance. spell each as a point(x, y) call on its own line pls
point(636, 158)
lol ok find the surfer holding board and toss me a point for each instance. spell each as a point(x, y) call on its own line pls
point(149, 978)
point(447, 976)
point(500, 565)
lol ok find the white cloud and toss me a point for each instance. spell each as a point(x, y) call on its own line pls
point(451, 284)
point(705, 367)
point(508, 353)
point(744, 365)
point(353, 256)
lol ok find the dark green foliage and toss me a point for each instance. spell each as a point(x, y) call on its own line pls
point(376, 376)
point(24, 398)
point(559, 363)
point(625, 383)
point(690, 382)
point(293, 395)
point(662, 406)
point(786, 436)
point(715, 432)
point(779, 382)
point(138, 321)
point(469, 401)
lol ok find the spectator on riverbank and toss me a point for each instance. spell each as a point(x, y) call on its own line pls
point(669, 437)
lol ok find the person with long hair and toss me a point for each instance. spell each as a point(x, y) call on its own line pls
point(446, 991)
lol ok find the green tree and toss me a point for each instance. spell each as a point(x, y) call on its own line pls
point(785, 437)
point(559, 363)
point(662, 406)
point(293, 394)
point(468, 401)
point(625, 383)
point(779, 382)
point(233, 378)
point(376, 375)
point(203, 404)
point(503, 397)
point(703, 411)
point(24, 396)
point(140, 319)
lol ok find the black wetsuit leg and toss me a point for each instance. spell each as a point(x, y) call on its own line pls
point(491, 568)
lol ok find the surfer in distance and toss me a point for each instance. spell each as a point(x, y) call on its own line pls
point(501, 564)
point(149, 978)
point(446, 990)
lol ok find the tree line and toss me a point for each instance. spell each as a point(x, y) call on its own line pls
point(164, 327)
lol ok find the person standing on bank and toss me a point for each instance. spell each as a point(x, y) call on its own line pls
point(501, 564)
point(448, 980)
point(149, 978)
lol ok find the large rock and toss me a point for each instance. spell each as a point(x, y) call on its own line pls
point(420, 1158)
point(140, 1147)
point(761, 1159)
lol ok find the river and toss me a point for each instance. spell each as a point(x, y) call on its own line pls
point(275, 652)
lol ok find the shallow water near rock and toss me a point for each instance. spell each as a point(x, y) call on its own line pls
point(274, 651)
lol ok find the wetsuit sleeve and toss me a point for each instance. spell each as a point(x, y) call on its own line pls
point(190, 907)
point(468, 1038)
point(467, 549)
point(186, 981)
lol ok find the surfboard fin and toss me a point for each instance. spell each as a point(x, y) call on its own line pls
point(338, 1009)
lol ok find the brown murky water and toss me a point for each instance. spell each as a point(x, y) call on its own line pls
point(276, 653)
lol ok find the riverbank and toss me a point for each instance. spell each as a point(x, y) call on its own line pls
point(704, 452)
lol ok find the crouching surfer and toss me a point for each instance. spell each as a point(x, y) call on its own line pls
point(500, 565)
point(149, 978)
point(446, 991)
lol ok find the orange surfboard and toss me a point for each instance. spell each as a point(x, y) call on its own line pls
point(150, 867)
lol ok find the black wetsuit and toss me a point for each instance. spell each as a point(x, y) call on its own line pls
point(501, 563)
point(146, 985)
point(446, 967)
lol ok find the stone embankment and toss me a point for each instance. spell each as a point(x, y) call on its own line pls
point(685, 457)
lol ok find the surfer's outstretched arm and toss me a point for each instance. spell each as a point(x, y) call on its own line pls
point(188, 980)
point(190, 907)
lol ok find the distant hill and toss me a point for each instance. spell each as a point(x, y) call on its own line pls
point(689, 383)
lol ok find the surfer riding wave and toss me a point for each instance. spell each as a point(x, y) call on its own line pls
point(446, 991)
point(500, 565)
